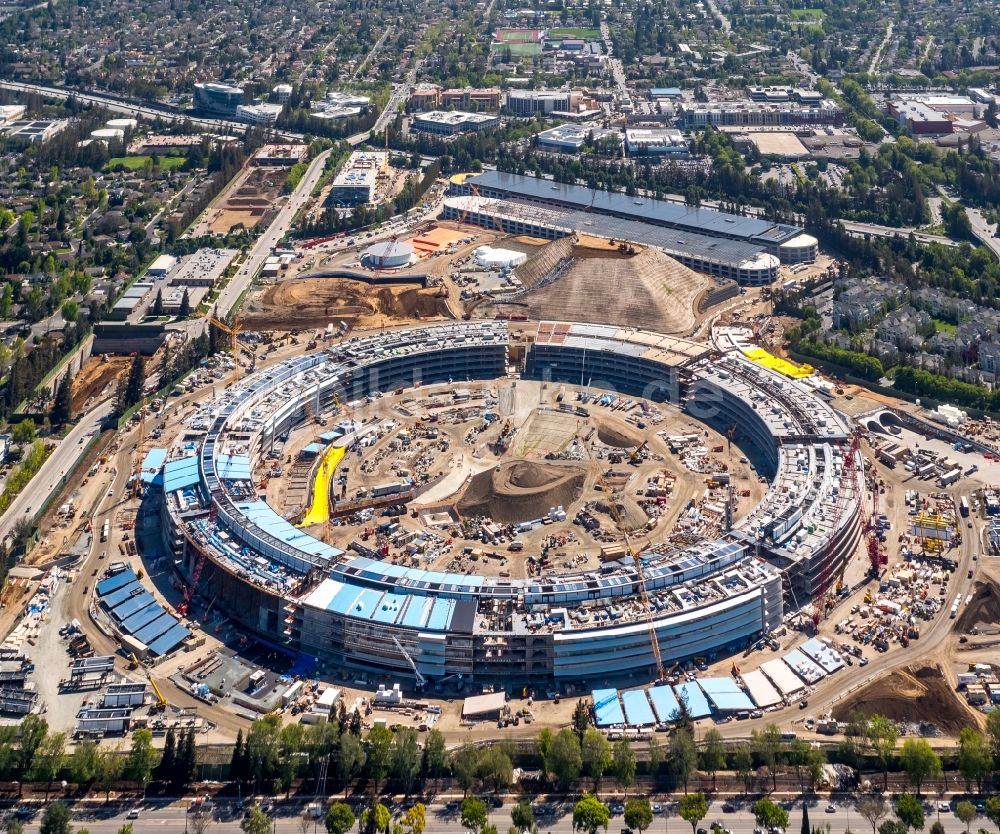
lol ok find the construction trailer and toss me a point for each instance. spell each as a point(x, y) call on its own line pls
point(90, 667)
point(102, 721)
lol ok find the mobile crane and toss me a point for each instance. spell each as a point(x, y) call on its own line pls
point(161, 701)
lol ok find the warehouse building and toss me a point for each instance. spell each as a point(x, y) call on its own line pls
point(656, 142)
point(571, 138)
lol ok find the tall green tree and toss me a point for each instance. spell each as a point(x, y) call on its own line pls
point(473, 814)
point(713, 753)
point(769, 814)
point(910, 811)
point(61, 411)
point(682, 756)
point(49, 760)
point(435, 755)
point(919, 761)
point(769, 747)
point(975, 759)
point(596, 753)
point(623, 763)
point(141, 759)
point(339, 818)
point(692, 808)
point(378, 750)
point(590, 815)
point(56, 820)
point(638, 814)
point(882, 735)
point(872, 809)
point(166, 769)
point(256, 821)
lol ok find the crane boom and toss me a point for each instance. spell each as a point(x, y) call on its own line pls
point(161, 701)
point(421, 680)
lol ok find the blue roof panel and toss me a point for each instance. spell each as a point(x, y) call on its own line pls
point(166, 642)
point(440, 615)
point(113, 583)
point(664, 702)
point(180, 473)
point(131, 605)
point(607, 707)
point(388, 608)
point(154, 629)
point(696, 700)
point(116, 598)
point(725, 695)
point(637, 710)
point(142, 618)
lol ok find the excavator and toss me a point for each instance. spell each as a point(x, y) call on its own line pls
point(636, 456)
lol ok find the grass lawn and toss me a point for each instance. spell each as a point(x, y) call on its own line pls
point(523, 50)
point(945, 327)
point(810, 15)
point(134, 163)
point(575, 32)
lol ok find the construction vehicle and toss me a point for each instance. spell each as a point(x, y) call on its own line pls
point(637, 455)
point(421, 680)
point(161, 701)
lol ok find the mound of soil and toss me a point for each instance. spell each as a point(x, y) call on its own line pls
point(910, 694)
point(984, 609)
point(521, 490)
point(314, 302)
point(618, 435)
point(95, 377)
point(632, 515)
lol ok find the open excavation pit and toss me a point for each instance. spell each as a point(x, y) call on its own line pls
point(983, 609)
point(910, 695)
point(521, 490)
point(314, 302)
point(618, 434)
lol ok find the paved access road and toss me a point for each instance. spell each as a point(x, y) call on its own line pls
point(26, 505)
point(288, 819)
point(269, 238)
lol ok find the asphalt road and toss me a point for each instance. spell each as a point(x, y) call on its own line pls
point(288, 819)
point(119, 104)
point(890, 232)
point(269, 239)
point(26, 505)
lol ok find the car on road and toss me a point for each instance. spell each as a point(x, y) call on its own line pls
point(656, 808)
point(616, 808)
point(831, 808)
point(133, 814)
point(728, 807)
point(944, 806)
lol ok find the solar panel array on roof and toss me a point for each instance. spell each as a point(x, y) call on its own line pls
point(646, 209)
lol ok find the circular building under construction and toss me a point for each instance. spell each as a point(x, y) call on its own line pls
point(388, 254)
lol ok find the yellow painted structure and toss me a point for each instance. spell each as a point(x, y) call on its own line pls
point(776, 363)
point(319, 511)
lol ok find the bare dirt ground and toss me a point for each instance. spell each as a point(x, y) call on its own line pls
point(984, 609)
point(913, 693)
point(313, 302)
point(248, 199)
point(520, 490)
point(95, 376)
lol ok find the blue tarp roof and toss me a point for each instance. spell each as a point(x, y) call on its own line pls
point(154, 460)
point(166, 642)
point(264, 516)
point(664, 702)
point(637, 710)
point(233, 467)
point(150, 631)
point(113, 583)
point(312, 449)
point(725, 695)
point(180, 473)
point(607, 707)
point(330, 436)
point(696, 700)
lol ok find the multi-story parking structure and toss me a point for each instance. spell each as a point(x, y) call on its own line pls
point(746, 263)
point(787, 242)
point(355, 611)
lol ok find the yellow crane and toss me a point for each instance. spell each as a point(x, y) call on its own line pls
point(647, 607)
point(161, 701)
point(233, 332)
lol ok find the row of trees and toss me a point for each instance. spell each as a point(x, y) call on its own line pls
point(31, 752)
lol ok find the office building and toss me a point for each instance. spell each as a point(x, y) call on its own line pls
point(451, 123)
point(357, 180)
point(214, 99)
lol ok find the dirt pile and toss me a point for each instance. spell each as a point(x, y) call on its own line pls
point(984, 609)
point(95, 377)
point(569, 280)
point(521, 490)
point(632, 515)
point(618, 434)
point(910, 694)
point(313, 302)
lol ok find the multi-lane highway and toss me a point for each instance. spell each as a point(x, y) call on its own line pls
point(288, 817)
point(26, 505)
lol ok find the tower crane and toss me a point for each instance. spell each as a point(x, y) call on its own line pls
point(640, 577)
point(233, 332)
